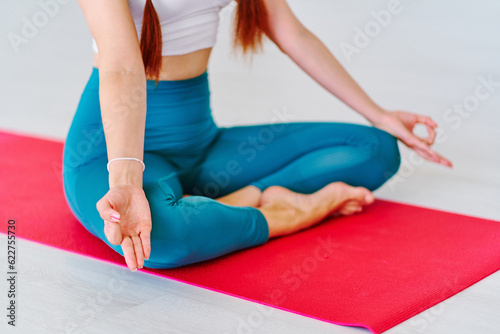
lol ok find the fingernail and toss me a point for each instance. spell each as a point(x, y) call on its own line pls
point(115, 217)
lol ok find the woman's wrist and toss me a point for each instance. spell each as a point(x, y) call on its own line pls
point(377, 115)
point(125, 172)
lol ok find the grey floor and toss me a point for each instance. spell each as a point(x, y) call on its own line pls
point(430, 58)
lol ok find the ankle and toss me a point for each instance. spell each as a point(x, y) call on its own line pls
point(281, 218)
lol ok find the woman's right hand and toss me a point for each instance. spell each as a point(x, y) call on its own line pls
point(127, 222)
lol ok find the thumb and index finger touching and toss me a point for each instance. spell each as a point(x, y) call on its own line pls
point(423, 145)
point(430, 125)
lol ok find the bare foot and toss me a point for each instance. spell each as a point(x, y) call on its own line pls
point(299, 211)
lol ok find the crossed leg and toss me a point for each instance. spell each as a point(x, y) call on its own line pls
point(266, 188)
point(314, 159)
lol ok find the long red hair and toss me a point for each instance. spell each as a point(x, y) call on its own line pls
point(250, 24)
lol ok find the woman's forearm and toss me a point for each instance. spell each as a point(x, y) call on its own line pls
point(123, 111)
point(310, 54)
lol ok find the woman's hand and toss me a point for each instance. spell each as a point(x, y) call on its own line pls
point(127, 222)
point(401, 124)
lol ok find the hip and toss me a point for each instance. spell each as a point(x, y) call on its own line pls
point(178, 121)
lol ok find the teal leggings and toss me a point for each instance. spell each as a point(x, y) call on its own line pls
point(185, 152)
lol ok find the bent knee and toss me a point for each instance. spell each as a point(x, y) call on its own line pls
point(389, 150)
point(171, 236)
point(387, 157)
point(179, 231)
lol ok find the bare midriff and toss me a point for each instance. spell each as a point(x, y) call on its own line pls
point(179, 67)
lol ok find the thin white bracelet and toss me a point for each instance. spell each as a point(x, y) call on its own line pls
point(110, 161)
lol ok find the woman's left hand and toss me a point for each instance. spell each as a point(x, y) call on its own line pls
point(401, 124)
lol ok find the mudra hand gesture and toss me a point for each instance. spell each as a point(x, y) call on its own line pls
point(127, 222)
point(401, 124)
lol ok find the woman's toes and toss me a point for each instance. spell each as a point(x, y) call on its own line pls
point(362, 195)
point(356, 199)
point(369, 198)
point(350, 208)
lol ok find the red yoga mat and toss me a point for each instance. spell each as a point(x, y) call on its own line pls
point(372, 270)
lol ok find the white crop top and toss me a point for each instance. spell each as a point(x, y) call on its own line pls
point(186, 25)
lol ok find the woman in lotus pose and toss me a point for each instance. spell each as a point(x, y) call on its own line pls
point(171, 187)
